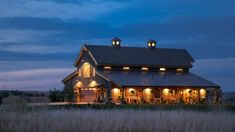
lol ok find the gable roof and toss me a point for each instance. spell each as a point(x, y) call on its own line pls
point(70, 76)
point(156, 79)
point(139, 56)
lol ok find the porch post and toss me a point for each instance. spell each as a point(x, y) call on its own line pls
point(108, 86)
point(123, 98)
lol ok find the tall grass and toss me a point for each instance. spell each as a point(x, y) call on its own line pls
point(88, 120)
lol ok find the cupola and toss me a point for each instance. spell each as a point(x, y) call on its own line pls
point(152, 44)
point(116, 42)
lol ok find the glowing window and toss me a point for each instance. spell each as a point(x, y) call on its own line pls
point(117, 42)
point(80, 73)
point(126, 68)
point(162, 69)
point(107, 67)
point(145, 68)
point(93, 72)
point(179, 70)
point(86, 70)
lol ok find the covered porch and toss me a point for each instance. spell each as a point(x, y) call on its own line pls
point(160, 87)
point(135, 95)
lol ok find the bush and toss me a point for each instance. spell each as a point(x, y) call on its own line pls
point(56, 95)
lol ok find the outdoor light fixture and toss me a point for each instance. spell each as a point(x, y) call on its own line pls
point(93, 83)
point(116, 42)
point(152, 44)
point(115, 90)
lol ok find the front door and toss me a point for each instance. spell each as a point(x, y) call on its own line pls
point(87, 95)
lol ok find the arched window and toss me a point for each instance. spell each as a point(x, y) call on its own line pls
point(86, 70)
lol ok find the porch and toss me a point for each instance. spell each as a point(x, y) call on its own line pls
point(137, 95)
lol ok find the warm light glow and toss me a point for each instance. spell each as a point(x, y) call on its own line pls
point(113, 42)
point(147, 90)
point(93, 84)
point(80, 73)
point(78, 84)
point(202, 93)
point(149, 44)
point(179, 70)
point(131, 89)
point(187, 90)
point(165, 91)
point(144, 68)
point(117, 42)
point(86, 70)
point(153, 44)
point(162, 69)
point(107, 67)
point(126, 68)
point(115, 91)
point(93, 72)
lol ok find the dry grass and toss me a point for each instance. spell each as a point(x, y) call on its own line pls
point(88, 120)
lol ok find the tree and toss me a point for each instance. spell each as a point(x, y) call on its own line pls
point(56, 95)
point(69, 94)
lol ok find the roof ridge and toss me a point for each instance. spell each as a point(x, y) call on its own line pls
point(133, 47)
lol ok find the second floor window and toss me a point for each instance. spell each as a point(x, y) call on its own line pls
point(86, 70)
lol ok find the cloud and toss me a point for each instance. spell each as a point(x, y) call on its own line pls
point(20, 56)
point(36, 79)
point(54, 8)
point(217, 70)
point(52, 35)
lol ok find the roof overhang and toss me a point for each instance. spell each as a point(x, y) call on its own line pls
point(153, 79)
point(70, 76)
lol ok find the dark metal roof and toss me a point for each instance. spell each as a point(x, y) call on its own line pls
point(148, 79)
point(140, 56)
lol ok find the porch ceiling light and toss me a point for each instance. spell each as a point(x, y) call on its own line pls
point(148, 90)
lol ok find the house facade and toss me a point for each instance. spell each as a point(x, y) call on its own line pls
point(121, 74)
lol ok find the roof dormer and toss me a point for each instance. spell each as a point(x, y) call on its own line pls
point(152, 44)
point(116, 42)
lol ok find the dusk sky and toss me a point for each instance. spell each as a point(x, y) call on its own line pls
point(40, 39)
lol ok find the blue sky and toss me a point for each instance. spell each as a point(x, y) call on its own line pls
point(40, 39)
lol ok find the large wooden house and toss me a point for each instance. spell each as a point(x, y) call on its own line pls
point(121, 74)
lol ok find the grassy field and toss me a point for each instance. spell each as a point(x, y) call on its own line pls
point(116, 120)
point(16, 115)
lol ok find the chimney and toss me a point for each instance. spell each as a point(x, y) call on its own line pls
point(116, 42)
point(151, 44)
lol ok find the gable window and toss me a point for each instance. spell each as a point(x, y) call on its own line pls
point(86, 70)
